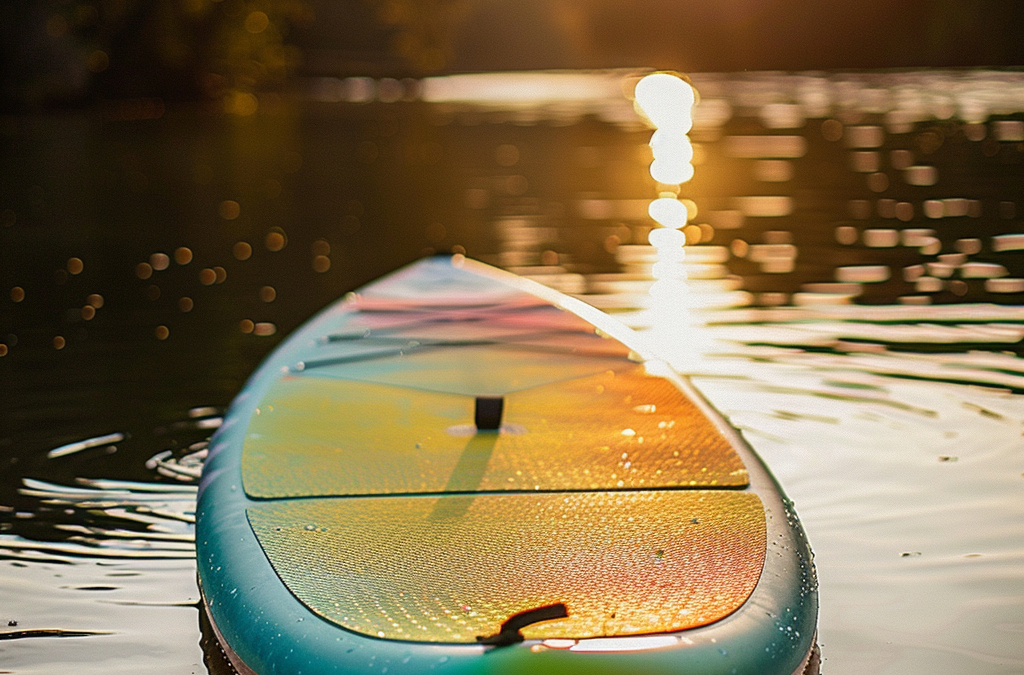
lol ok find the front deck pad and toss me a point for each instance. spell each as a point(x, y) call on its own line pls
point(615, 429)
point(451, 568)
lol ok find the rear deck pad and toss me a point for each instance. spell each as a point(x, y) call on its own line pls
point(449, 569)
point(615, 429)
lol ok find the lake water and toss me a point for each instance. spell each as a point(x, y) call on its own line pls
point(851, 297)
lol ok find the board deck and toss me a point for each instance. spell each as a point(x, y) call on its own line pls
point(456, 470)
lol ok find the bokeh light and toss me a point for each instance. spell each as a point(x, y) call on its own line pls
point(275, 240)
point(159, 261)
point(672, 143)
point(666, 101)
point(242, 250)
point(183, 255)
point(671, 170)
point(229, 209)
point(668, 212)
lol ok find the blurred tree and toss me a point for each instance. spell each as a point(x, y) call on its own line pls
point(422, 31)
point(67, 50)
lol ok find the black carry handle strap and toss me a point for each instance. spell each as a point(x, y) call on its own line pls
point(509, 633)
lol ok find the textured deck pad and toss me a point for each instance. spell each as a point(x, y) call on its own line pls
point(449, 569)
point(616, 429)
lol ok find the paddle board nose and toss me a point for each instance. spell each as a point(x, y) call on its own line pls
point(451, 464)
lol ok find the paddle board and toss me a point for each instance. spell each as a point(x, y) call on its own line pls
point(456, 470)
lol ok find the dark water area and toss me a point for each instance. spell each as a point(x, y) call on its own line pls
point(851, 298)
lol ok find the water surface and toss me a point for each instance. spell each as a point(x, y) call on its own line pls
point(850, 298)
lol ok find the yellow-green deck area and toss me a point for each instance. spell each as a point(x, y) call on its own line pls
point(385, 510)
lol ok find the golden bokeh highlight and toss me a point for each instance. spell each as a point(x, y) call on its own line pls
point(241, 103)
point(246, 326)
point(671, 170)
point(17, 294)
point(666, 100)
point(95, 299)
point(159, 261)
point(242, 250)
point(220, 274)
point(268, 294)
point(88, 313)
point(256, 22)
point(275, 240)
point(321, 264)
point(75, 266)
point(185, 304)
point(183, 255)
point(207, 277)
point(693, 235)
point(3, 349)
point(59, 342)
point(229, 209)
point(162, 332)
point(673, 142)
point(143, 270)
point(668, 212)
